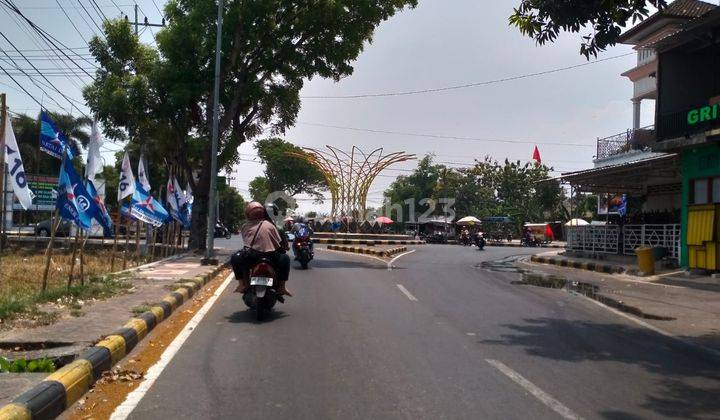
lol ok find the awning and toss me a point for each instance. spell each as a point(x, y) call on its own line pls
point(627, 177)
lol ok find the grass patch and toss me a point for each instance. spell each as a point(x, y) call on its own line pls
point(24, 366)
point(21, 278)
point(145, 307)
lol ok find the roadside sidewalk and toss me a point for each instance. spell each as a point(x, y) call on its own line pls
point(691, 314)
point(70, 335)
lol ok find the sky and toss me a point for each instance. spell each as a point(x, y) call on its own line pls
point(438, 44)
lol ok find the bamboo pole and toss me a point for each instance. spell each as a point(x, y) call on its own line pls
point(127, 241)
point(152, 246)
point(49, 250)
point(82, 260)
point(3, 111)
point(114, 248)
point(72, 260)
point(137, 242)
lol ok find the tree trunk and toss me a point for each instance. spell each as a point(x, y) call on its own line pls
point(198, 228)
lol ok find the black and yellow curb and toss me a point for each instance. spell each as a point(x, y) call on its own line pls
point(368, 242)
point(378, 253)
point(67, 385)
point(589, 266)
point(551, 245)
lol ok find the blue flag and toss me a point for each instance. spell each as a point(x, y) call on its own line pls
point(52, 141)
point(105, 220)
point(73, 202)
point(145, 208)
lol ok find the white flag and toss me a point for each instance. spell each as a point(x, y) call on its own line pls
point(94, 159)
point(15, 168)
point(171, 196)
point(142, 175)
point(180, 195)
point(127, 179)
point(189, 194)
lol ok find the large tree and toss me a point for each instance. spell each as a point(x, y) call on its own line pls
point(269, 49)
point(602, 20)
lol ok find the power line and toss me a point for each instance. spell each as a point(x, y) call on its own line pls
point(92, 19)
point(466, 85)
point(71, 21)
point(443, 137)
point(20, 86)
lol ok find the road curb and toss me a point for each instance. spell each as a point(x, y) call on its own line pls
point(357, 250)
point(588, 266)
point(368, 242)
point(68, 384)
point(502, 244)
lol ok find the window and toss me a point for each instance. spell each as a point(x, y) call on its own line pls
point(705, 190)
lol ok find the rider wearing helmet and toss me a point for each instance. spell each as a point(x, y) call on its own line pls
point(300, 229)
point(262, 240)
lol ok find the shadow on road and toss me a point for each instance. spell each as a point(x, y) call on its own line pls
point(248, 317)
point(328, 262)
point(689, 381)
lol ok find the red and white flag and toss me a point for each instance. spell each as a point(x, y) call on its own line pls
point(536, 156)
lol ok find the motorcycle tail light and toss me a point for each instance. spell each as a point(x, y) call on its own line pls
point(263, 269)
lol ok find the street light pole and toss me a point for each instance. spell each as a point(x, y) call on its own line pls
point(209, 243)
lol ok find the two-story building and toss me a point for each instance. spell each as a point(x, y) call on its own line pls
point(688, 123)
point(630, 164)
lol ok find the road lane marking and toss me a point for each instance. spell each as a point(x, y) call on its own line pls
point(133, 399)
point(390, 263)
point(538, 393)
point(406, 293)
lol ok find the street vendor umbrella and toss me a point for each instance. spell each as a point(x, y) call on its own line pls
point(468, 220)
point(577, 222)
point(384, 220)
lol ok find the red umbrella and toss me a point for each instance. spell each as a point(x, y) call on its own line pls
point(384, 220)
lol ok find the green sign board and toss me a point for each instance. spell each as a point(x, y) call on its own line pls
point(44, 189)
point(706, 113)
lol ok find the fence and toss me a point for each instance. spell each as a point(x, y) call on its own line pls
point(607, 239)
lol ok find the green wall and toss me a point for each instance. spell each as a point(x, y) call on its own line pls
point(701, 161)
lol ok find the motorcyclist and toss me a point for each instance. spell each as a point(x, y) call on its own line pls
point(262, 240)
point(300, 229)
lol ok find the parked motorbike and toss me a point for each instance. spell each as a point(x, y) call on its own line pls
point(222, 232)
point(479, 240)
point(262, 296)
point(465, 240)
point(303, 251)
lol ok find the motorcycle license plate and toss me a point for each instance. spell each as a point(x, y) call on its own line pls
point(261, 281)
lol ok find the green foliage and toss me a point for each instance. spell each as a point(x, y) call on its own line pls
point(25, 366)
point(259, 188)
point(232, 208)
point(489, 188)
point(269, 49)
point(288, 173)
point(544, 20)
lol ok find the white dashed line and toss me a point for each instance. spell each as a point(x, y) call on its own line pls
point(406, 293)
point(536, 392)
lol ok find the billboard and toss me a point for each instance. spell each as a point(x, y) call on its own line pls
point(612, 204)
point(44, 188)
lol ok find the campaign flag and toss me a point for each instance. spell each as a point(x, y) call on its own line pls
point(189, 199)
point(142, 175)
point(127, 179)
point(94, 159)
point(536, 156)
point(15, 168)
point(145, 208)
point(52, 141)
point(171, 200)
point(104, 217)
point(183, 214)
point(73, 202)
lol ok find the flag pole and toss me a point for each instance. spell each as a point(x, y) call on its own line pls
point(137, 242)
point(54, 226)
point(114, 248)
point(82, 259)
point(127, 240)
point(72, 260)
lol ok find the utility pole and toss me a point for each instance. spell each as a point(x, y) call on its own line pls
point(210, 242)
point(3, 116)
point(136, 23)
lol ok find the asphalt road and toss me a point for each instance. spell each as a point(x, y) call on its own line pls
point(437, 337)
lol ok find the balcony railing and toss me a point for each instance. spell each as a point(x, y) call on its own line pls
point(639, 139)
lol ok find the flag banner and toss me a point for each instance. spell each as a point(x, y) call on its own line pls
point(105, 220)
point(74, 203)
point(52, 141)
point(94, 159)
point(15, 168)
point(126, 187)
point(172, 201)
point(147, 209)
point(183, 215)
point(189, 199)
point(142, 175)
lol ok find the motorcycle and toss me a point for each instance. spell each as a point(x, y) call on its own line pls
point(262, 296)
point(222, 232)
point(465, 240)
point(303, 252)
point(479, 241)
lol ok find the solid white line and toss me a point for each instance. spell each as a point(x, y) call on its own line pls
point(390, 263)
point(538, 393)
point(406, 293)
point(133, 399)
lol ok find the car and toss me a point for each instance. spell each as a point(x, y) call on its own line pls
point(44, 228)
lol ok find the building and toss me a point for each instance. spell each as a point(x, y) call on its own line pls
point(688, 123)
point(629, 164)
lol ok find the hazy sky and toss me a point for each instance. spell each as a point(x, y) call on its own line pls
point(440, 43)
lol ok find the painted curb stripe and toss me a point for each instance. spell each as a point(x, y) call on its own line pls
point(115, 345)
point(99, 358)
point(46, 400)
point(15, 411)
point(180, 296)
point(130, 337)
point(140, 327)
point(75, 377)
point(169, 299)
point(150, 320)
point(588, 266)
point(166, 307)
